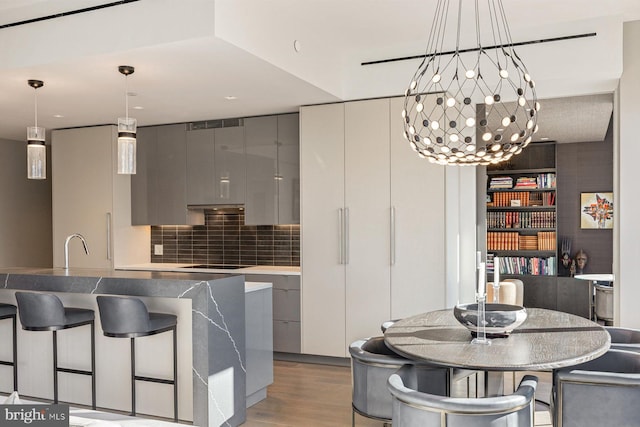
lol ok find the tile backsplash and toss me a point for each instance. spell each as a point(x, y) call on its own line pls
point(224, 239)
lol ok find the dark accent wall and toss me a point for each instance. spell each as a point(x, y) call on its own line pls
point(25, 212)
point(224, 239)
point(585, 167)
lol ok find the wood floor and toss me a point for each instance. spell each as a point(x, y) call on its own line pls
point(305, 394)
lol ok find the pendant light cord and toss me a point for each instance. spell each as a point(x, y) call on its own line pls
point(126, 97)
point(35, 97)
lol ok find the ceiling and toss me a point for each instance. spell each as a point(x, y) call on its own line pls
point(192, 54)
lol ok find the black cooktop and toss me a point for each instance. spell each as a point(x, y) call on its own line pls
point(218, 266)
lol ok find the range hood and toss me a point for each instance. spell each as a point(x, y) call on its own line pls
point(215, 207)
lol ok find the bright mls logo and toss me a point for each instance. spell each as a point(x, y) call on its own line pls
point(34, 415)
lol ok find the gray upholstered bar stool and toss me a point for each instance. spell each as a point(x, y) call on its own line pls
point(128, 317)
point(8, 311)
point(45, 312)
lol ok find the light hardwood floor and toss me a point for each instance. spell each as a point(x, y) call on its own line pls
point(305, 394)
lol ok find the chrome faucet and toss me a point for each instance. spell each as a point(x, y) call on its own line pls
point(66, 248)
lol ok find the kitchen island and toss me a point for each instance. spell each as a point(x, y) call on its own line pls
point(211, 349)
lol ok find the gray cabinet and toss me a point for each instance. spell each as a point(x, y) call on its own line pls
point(259, 343)
point(286, 310)
point(288, 175)
point(159, 189)
point(216, 166)
point(273, 170)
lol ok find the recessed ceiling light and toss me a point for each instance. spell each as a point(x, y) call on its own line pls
point(230, 97)
point(138, 107)
point(58, 116)
point(544, 138)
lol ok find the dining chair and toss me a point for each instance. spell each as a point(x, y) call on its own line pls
point(372, 362)
point(506, 293)
point(413, 407)
point(602, 392)
point(386, 324)
point(519, 290)
point(511, 292)
point(624, 338)
point(455, 374)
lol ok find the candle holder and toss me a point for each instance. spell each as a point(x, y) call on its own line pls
point(481, 337)
point(496, 292)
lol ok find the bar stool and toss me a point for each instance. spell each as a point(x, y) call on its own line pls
point(8, 311)
point(128, 317)
point(45, 312)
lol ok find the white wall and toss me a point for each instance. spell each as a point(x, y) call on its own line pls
point(25, 211)
point(626, 197)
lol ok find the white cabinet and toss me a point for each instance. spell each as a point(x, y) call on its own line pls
point(367, 218)
point(345, 224)
point(273, 171)
point(90, 198)
point(322, 207)
point(372, 230)
point(417, 228)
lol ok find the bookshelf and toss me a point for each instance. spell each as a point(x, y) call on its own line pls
point(521, 215)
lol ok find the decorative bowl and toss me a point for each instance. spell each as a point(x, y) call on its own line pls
point(500, 319)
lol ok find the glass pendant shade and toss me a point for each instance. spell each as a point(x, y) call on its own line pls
point(36, 149)
point(126, 132)
point(127, 145)
point(36, 153)
point(481, 99)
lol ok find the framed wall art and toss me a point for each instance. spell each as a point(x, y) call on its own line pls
point(596, 210)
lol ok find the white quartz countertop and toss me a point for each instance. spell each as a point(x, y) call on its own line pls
point(186, 268)
point(602, 277)
point(256, 286)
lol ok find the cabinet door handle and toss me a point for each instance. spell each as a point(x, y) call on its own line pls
point(393, 235)
point(109, 236)
point(340, 236)
point(346, 235)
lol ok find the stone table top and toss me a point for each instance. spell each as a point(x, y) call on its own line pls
point(546, 340)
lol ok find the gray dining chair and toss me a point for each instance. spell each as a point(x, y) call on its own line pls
point(413, 407)
point(372, 362)
point(624, 338)
point(455, 374)
point(602, 392)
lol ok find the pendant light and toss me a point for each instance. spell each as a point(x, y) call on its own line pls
point(126, 132)
point(469, 122)
point(36, 150)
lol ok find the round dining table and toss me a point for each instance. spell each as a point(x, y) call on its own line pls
point(546, 340)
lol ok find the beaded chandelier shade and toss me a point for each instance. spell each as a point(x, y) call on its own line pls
point(468, 121)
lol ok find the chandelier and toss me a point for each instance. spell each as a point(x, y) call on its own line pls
point(475, 105)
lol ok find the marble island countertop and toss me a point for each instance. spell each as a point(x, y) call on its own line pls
point(188, 268)
point(213, 336)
